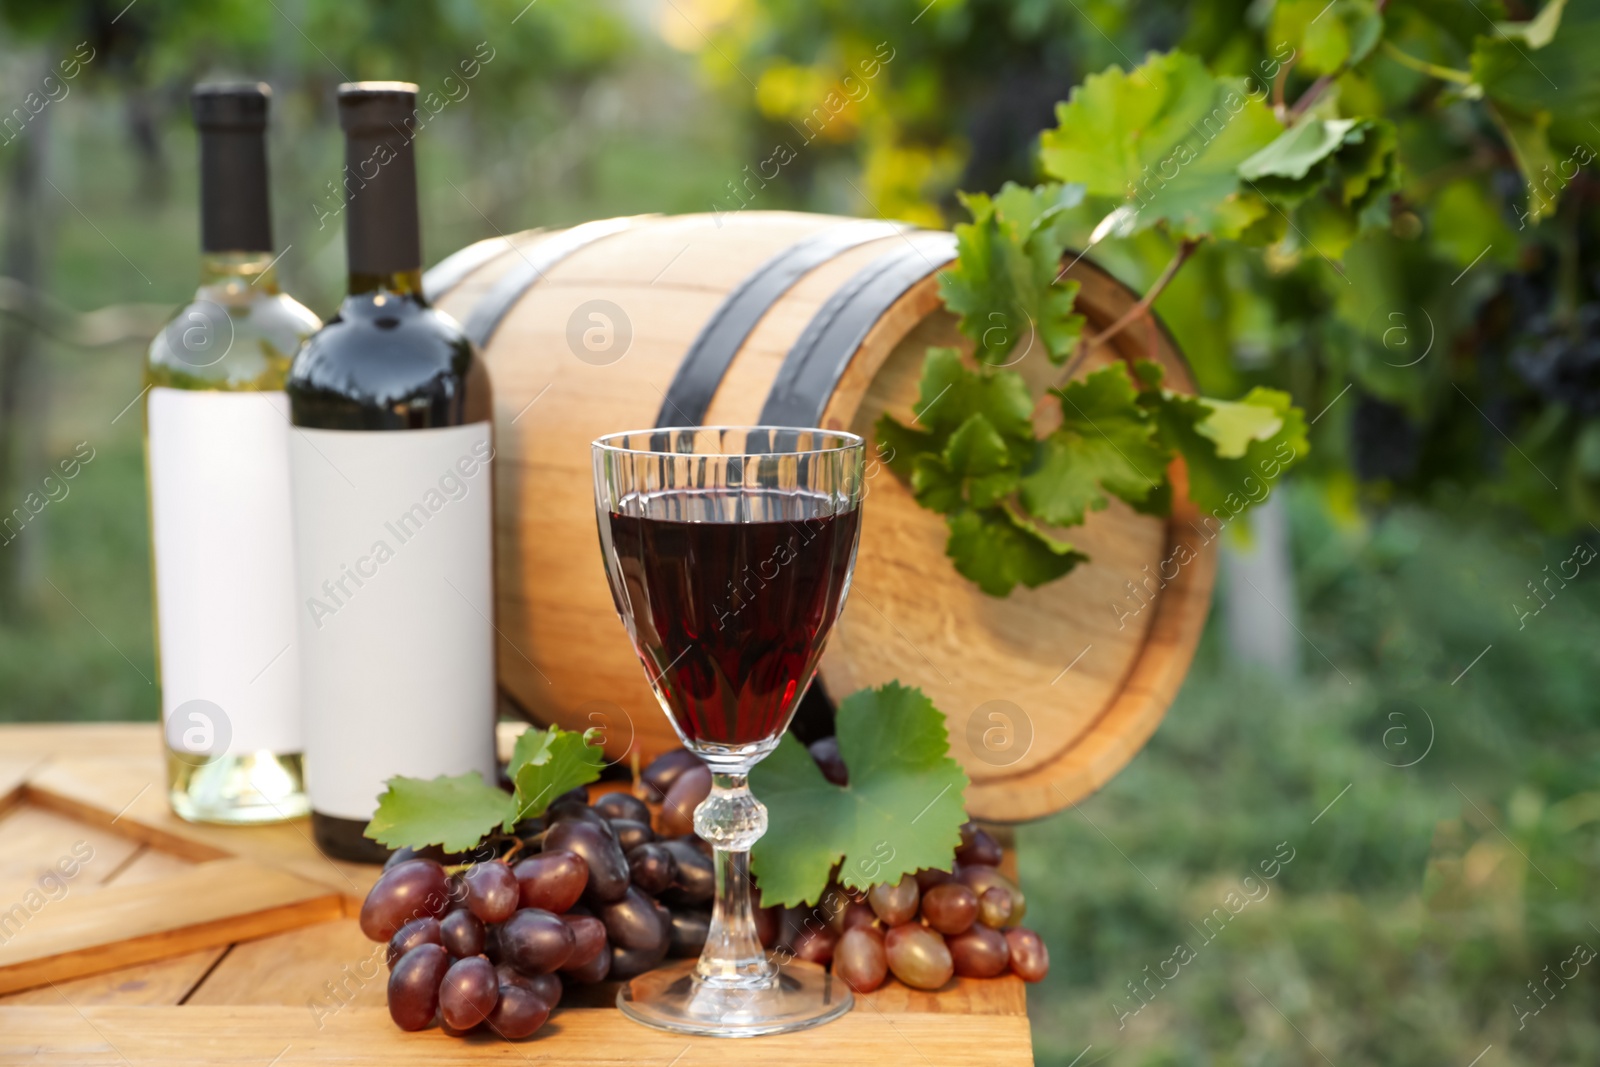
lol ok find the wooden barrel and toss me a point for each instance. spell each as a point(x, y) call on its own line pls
point(799, 319)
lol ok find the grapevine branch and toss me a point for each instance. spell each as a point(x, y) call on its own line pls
point(1422, 66)
point(1310, 96)
point(1138, 311)
point(1279, 108)
point(1185, 250)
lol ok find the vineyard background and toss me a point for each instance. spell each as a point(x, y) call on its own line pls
point(1420, 740)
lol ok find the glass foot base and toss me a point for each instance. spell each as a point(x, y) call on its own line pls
point(672, 998)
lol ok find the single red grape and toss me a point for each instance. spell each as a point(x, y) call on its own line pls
point(950, 908)
point(468, 993)
point(977, 846)
point(424, 931)
point(411, 890)
point(518, 1013)
point(897, 903)
point(414, 986)
point(492, 891)
point(979, 952)
point(859, 959)
point(535, 941)
point(1029, 957)
point(588, 939)
point(918, 956)
point(462, 934)
point(552, 881)
point(994, 906)
point(816, 944)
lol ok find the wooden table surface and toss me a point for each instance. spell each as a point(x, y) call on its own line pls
point(177, 944)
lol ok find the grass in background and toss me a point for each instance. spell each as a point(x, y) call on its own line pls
point(1420, 900)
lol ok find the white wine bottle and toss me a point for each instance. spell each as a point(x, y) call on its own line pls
point(217, 462)
point(392, 506)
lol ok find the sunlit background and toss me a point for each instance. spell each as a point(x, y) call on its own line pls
point(1424, 751)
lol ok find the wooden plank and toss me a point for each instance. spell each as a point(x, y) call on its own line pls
point(211, 904)
point(290, 1037)
point(1006, 995)
point(321, 969)
point(108, 792)
point(14, 771)
point(161, 983)
point(127, 740)
point(45, 858)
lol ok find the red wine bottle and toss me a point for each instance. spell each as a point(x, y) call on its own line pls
point(392, 506)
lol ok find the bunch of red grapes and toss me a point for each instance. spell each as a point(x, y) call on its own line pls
point(926, 927)
point(590, 893)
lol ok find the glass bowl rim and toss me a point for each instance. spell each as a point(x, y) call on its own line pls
point(849, 441)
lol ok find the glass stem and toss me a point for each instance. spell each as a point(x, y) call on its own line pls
point(731, 820)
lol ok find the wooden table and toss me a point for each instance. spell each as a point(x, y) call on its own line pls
point(179, 944)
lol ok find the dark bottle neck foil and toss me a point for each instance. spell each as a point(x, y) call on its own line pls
point(382, 230)
point(235, 207)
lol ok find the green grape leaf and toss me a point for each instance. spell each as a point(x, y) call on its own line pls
point(1224, 485)
point(951, 393)
point(1299, 148)
point(935, 485)
point(1554, 84)
point(1349, 159)
point(1232, 425)
point(977, 466)
point(547, 763)
point(1539, 30)
point(1334, 174)
point(899, 446)
point(1326, 36)
point(453, 812)
point(1003, 284)
point(1107, 443)
point(998, 548)
point(901, 812)
point(1167, 138)
point(1529, 138)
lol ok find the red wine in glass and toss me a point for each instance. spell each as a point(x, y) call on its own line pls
point(731, 595)
point(728, 550)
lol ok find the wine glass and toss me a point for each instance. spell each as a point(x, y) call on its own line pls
point(729, 551)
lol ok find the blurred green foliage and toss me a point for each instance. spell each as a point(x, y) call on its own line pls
point(1442, 263)
point(1418, 905)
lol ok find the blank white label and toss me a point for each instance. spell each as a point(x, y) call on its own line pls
point(394, 597)
point(224, 561)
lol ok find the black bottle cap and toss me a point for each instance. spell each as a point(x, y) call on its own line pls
point(381, 229)
point(235, 208)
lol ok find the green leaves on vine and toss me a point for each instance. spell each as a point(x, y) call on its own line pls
point(1005, 494)
point(1233, 451)
point(1107, 444)
point(1166, 139)
point(1171, 144)
point(1010, 473)
point(1543, 89)
point(967, 463)
point(1327, 37)
point(1331, 177)
point(1005, 287)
